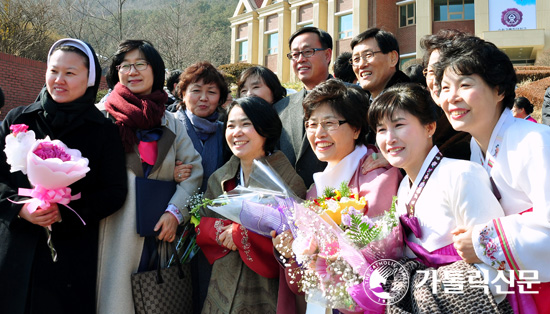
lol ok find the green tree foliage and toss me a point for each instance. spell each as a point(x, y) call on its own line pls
point(232, 71)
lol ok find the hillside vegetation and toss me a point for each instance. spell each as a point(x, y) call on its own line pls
point(184, 31)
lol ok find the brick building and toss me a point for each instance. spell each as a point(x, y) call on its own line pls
point(21, 80)
point(260, 28)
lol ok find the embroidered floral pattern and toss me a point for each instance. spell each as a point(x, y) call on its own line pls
point(218, 226)
point(245, 243)
point(488, 240)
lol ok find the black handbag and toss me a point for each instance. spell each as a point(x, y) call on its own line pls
point(164, 290)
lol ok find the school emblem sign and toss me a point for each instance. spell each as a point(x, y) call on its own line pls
point(511, 17)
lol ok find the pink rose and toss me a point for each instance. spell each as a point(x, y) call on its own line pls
point(18, 145)
point(18, 128)
point(46, 150)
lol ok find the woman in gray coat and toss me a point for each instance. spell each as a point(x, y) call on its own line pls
point(153, 141)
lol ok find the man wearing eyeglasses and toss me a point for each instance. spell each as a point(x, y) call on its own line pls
point(375, 61)
point(310, 54)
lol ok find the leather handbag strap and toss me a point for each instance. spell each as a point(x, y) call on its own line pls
point(178, 265)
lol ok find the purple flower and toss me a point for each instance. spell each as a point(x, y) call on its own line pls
point(354, 212)
point(365, 219)
point(346, 219)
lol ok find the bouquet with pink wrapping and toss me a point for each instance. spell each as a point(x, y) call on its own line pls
point(50, 167)
point(334, 258)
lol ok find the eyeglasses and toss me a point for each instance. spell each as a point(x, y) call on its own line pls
point(367, 56)
point(428, 71)
point(327, 125)
point(306, 53)
point(126, 67)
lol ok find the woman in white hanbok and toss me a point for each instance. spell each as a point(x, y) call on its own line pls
point(438, 194)
point(477, 83)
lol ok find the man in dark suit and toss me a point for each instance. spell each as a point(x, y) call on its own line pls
point(310, 54)
point(375, 61)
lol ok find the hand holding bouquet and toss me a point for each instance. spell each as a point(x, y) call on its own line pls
point(187, 244)
point(50, 167)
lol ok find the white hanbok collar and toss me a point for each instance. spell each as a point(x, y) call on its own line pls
point(343, 171)
point(506, 119)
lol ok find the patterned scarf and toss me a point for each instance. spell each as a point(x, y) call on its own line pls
point(133, 112)
point(204, 127)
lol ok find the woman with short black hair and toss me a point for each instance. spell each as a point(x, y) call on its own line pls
point(263, 120)
point(437, 194)
point(477, 89)
point(153, 140)
point(261, 82)
point(244, 271)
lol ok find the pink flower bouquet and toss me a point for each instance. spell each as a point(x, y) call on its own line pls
point(322, 252)
point(50, 167)
point(334, 257)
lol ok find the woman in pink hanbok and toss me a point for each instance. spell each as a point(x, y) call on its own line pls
point(336, 126)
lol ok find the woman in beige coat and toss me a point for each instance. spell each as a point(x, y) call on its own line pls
point(153, 141)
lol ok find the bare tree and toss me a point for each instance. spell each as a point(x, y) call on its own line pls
point(107, 17)
point(102, 23)
point(188, 32)
point(171, 34)
point(25, 27)
point(184, 31)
